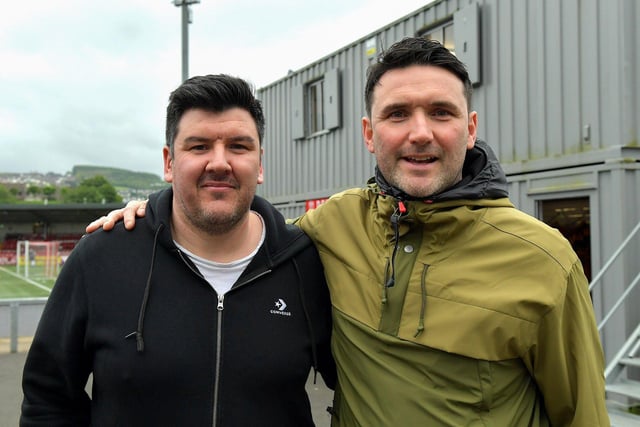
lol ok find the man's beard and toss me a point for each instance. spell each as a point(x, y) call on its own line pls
point(216, 223)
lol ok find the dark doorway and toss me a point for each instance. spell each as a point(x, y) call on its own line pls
point(572, 218)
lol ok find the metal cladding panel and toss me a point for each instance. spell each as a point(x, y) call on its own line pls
point(558, 87)
point(557, 81)
point(467, 40)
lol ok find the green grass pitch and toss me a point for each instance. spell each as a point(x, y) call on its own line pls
point(13, 285)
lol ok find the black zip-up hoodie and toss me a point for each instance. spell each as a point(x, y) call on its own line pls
point(164, 350)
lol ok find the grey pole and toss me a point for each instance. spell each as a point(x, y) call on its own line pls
point(185, 40)
point(13, 345)
point(186, 20)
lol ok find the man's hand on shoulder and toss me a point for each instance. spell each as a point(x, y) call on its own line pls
point(133, 209)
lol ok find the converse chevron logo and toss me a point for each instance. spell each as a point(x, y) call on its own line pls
point(280, 308)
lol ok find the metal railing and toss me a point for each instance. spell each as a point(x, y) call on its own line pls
point(613, 257)
point(604, 269)
point(612, 366)
point(14, 316)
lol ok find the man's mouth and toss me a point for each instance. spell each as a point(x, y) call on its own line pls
point(212, 181)
point(423, 160)
point(216, 185)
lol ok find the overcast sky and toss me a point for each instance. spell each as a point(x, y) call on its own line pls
point(86, 82)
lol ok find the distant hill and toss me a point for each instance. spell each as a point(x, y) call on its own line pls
point(119, 178)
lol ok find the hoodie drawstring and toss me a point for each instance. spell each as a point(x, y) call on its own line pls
point(145, 298)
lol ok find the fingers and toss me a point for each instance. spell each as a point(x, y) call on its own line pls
point(128, 214)
point(96, 224)
point(135, 208)
point(108, 221)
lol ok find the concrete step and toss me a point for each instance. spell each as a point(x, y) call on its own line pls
point(621, 417)
point(631, 361)
point(623, 420)
point(625, 387)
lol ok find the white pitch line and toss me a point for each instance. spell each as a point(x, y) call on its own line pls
point(26, 279)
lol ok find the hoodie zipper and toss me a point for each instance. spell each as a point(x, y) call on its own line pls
point(218, 339)
point(216, 380)
point(220, 308)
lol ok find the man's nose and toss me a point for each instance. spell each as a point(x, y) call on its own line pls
point(421, 131)
point(218, 160)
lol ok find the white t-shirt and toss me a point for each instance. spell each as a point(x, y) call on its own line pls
point(222, 275)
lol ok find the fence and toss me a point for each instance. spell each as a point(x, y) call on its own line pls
point(23, 314)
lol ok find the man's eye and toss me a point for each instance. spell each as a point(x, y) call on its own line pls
point(198, 148)
point(441, 113)
point(397, 115)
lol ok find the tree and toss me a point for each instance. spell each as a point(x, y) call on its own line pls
point(49, 191)
point(92, 190)
point(6, 196)
point(33, 190)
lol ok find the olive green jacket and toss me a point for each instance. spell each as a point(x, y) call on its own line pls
point(488, 322)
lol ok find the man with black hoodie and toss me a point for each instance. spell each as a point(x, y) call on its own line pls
point(212, 312)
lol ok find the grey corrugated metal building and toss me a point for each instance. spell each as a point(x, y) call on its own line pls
point(558, 99)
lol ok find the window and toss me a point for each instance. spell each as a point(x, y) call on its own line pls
point(444, 34)
point(461, 35)
point(316, 105)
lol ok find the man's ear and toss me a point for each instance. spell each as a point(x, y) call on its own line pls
point(472, 126)
point(261, 170)
point(367, 134)
point(168, 164)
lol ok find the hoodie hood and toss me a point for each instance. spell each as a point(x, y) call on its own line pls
point(282, 241)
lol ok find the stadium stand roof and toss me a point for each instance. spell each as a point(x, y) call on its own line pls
point(54, 213)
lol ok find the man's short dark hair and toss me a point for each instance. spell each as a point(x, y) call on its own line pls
point(415, 51)
point(215, 93)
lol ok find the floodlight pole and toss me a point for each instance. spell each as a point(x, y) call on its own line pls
point(186, 20)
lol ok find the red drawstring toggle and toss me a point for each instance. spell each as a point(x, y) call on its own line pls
point(401, 207)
